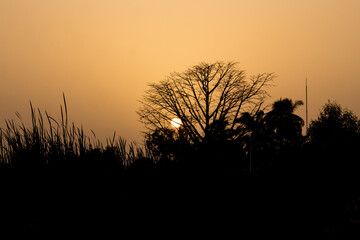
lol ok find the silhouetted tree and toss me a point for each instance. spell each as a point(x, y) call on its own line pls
point(256, 139)
point(332, 161)
point(284, 128)
point(335, 137)
point(271, 136)
point(160, 143)
point(167, 145)
point(202, 96)
point(285, 124)
point(334, 126)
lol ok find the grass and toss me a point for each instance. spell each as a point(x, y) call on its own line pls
point(49, 141)
point(51, 199)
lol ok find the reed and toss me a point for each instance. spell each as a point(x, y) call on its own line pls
point(49, 141)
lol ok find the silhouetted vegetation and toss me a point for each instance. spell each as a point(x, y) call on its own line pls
point(51, 142)
point(249, 171)
point(204, 97)
point(54, 176)
point(332, 158)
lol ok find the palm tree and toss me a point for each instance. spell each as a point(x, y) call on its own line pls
point(285, 124)
point(255, 136)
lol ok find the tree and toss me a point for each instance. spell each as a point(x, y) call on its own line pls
point(333, 145)
point(332, 159)
point(272, 137)
point(203, 96)
point(334, 127)
point(285, 124)
point(255, 136)
point(167, 144)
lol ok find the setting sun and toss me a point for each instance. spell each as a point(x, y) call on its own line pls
point(176, 122)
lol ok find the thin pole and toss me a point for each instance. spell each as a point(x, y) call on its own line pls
point(306, 103)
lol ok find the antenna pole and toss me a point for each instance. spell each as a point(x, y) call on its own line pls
point(306, 103)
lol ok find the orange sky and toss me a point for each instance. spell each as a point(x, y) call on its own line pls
point(102, 53)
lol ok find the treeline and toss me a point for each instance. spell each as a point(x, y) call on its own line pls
point(231, 165)
point(265, 167)
point(312, 179)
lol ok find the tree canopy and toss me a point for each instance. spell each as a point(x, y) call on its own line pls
point(204, 96)
point(334, 125)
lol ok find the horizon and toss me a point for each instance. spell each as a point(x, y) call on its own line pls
point(103, 54)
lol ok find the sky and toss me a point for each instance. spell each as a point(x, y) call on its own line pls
point(103, 53)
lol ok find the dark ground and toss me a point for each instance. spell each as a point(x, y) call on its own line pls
point(169, 202)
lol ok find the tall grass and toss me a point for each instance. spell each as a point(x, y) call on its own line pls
point(49, 141)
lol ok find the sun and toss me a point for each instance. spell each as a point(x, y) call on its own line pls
point(176, 122)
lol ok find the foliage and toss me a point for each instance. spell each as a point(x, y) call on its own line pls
point(334, 125)
point(334, 138)
point(332, 164)
point(202, 96)
point(269, 138)
point(52, 142)
point(286, 126)
point(268, 145)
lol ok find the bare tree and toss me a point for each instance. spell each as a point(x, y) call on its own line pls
point(201, 96)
